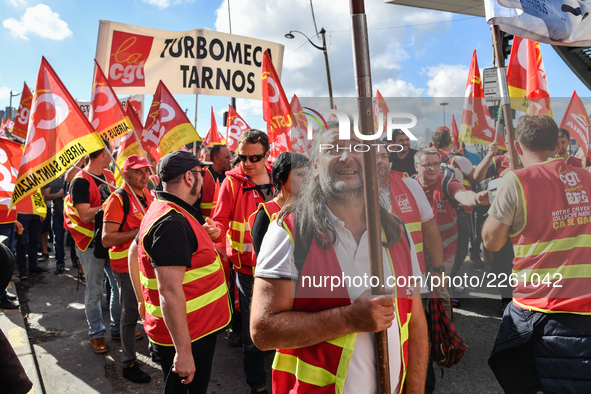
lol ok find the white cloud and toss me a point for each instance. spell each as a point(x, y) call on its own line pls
point(40, 21)
point(4, 92)
point(446, 80)
point(398, 88)
point(165, 3)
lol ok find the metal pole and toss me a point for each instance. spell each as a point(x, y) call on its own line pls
point(505, 99)
point(329, 81)
point(372, 205)
point(195, 142)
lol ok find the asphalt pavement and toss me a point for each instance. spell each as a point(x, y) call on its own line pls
point(49, 334)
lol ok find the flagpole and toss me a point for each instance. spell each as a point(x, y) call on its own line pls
point(372, 204)
point(195, 142)
point(142, 149)
point(123, 177)
point(505, 98)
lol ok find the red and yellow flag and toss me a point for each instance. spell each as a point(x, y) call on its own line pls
point(477, 125)
point(576, 121)
point(129, 144)
point(58, 135)
point(299, 133)
point(517, 75)
point(213, 137)
point(455, 133)
point(10, 158)
point(21, 123)
point(537, 84)
point(167, 127)
point(380, 113)
point(276, 110)
point(106, 112)
point(235, 126)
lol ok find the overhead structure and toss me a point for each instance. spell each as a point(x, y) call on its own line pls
point(576, 58)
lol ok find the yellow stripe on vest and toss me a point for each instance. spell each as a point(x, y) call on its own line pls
point(189, 276)
point(414, 226)
point(119, 255)
point(563, 272)
point(303, 371)
point(556, 245)
point(195, 303)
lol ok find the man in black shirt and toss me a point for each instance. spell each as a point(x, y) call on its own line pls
point(54, 192)
point(403, 161)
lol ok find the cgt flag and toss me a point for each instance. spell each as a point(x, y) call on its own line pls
point(58, 135)
point(517, 75)
point(106, 112)
point(167, 127)
point(213, 137)
point(129, 144)
point(380, 112)
point(537, 84)
point(236, 126)
point(576, 121)
point(476, 125)
point(299, 133)
point(10, 158)
point(21, 123)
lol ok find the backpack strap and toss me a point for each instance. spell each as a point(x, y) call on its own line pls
point(125, 199)
point(447, 177)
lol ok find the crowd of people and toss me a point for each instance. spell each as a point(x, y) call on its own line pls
point(194, 244)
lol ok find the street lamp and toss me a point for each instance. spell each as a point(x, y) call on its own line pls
point(443, 105)
point(10, 108)
point(323, 49)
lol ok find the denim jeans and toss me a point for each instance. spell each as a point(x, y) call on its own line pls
point(27, 243)
point(7, 229)
point(254, 358)
point(129, 317)
point(57, 226)
point(93, 270)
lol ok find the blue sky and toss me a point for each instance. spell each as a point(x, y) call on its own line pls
point(414, 52)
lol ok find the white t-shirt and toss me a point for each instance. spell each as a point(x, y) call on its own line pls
point(276, 261)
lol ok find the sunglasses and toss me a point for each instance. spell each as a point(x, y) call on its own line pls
point(252, 158)
point(202, 172)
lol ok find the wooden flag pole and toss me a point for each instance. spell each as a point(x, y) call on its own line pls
point(372, 203)
point(505, 99)
point(142, 149)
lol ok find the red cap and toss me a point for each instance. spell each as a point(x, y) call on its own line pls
point(135, 162)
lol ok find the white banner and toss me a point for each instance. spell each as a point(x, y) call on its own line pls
point(197, 61)
point(549, 21)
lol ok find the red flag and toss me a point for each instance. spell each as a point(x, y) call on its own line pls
point(537, 85)
point(9, 125)
point(24, 110)
point(58, 135)
point(517, 75)
point(276, 110)
point(299, 134)
point(235, 126)
point(477, 126)
point(10, 154)
point(455, 133)
point(213, 137)
point(380, 112)
point(106, 112)
point(576, 121)
point(129, 144)
point(3, 129)
point(167, 127)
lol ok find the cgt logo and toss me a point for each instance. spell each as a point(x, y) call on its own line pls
point(129, 53)
point(570, 178)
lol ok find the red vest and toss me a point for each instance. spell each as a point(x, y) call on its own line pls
point(575, 162)
point(446, 219)
point(236, 205)
point(84, 232)
point(552, 250)
point(404, 205)
point(206, 292)
point(322, 368)
point(118, 253)
point(209, 194)
point(7, 216)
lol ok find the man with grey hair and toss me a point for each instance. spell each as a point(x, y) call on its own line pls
point(444, 197)
point(324, 333)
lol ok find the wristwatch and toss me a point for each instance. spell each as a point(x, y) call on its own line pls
point(439, 269)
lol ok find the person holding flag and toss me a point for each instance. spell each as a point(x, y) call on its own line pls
point(88, 191)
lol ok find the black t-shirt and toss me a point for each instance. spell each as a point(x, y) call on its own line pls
point(171, 240)
point(404, 165)
point(58, 203)
point(80, 190)
point(259, 229)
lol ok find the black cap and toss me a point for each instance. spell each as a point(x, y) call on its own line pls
point(177, 163)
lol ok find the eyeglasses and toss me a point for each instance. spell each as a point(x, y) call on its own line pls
point(252, 158)
point(429, 165)
point(202, 172)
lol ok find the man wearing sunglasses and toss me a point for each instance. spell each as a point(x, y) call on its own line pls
point(246, 186)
